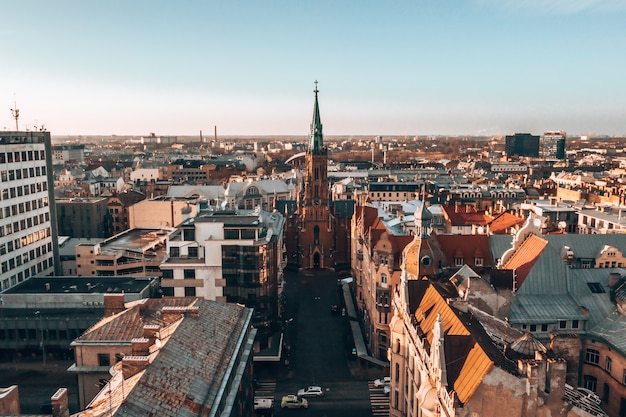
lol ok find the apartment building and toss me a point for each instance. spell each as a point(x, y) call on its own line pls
point(28, 228)
point(228, 256)
point(134, 252)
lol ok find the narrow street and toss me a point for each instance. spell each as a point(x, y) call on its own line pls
point(320, 350)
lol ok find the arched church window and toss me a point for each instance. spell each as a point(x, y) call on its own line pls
point(316, 235)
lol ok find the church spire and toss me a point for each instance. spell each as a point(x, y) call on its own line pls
point(316, 139)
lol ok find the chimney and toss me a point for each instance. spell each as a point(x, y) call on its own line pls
point(133, 364)
point(140, 345)
point(614, 278)
point(113, 304)
point(59, 402)
point(150, 331)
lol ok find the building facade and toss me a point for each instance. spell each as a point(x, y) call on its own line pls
point(318, 231)
point(553, 144)
point(521, 144)
point(84, 217)
point(229, 256)
point(28, 228)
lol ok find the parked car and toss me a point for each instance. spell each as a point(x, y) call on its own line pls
point(263, 406)
point(293, 401)
point(387, 389)
point(381, 382)
point(311, 391)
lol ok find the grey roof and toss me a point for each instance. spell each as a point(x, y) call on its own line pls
point(612, 330)
point(204, 191)
point(544, 308)
point(499, 244)
point(196, 362)
point(553, 291)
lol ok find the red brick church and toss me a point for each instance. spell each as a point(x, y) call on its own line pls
point(318, 229)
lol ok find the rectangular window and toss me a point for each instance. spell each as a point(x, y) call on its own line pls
point(174, 251)
point(574, 324)
point(189, 235)
point(592, 356)
point(104, 359)
point(190, 273)
point(192, 251)
point(609, 364)
point(544, 327)
point(562, 324)
point(190, 291)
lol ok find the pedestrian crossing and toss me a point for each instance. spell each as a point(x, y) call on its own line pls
point(379, 400)
point(265, 389)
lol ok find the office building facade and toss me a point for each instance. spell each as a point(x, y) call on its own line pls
point(522, 144)
point(28, 229)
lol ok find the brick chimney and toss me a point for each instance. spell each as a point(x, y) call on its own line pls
point(113, 304)
point(59, 401)
point(140, 345)
point(133, 364)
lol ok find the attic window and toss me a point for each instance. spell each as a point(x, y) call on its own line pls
point(595, 287)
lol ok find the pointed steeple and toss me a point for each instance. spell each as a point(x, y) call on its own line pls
point(316, 139)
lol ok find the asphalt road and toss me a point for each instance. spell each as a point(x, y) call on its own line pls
point(321, 346)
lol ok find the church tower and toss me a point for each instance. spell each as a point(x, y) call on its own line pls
point(316, 223)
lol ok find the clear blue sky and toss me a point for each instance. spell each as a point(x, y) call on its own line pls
point(388, 67)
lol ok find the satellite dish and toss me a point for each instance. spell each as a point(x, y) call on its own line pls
point(562, 225)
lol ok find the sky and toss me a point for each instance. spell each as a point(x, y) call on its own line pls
point(244, 67)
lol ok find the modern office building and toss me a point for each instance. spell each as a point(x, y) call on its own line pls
point(553, 144)
point(229, 256)
point(522, 144)
point(28, 228)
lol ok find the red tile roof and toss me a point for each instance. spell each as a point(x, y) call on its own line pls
point(503, 221)
point(525, 257)
point(468, 247)
point(465, 215)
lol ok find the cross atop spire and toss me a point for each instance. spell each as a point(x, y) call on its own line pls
point(316, 138)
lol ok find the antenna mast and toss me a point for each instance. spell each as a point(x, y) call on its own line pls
point(15, 112)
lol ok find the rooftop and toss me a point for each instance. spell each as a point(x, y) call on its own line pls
point(80, 285)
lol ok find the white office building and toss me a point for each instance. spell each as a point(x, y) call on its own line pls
point(28, 230)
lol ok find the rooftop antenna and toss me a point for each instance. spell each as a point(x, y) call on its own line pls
point(15, 112)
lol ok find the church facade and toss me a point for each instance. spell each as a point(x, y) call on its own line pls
point(318, 229)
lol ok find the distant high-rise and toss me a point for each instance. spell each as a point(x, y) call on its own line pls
point(522, 144)
point(28, 229)
point(553, 144)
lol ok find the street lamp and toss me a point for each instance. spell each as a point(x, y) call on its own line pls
point(41, 344)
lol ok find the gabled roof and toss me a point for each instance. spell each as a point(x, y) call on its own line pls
point(504, 221)
point(187, 373)
point(465, 215)
point(469, 351)
point(468, 247)
point(525, 257)
point(129, 323)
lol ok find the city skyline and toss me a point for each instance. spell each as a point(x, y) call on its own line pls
point(479, 67)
